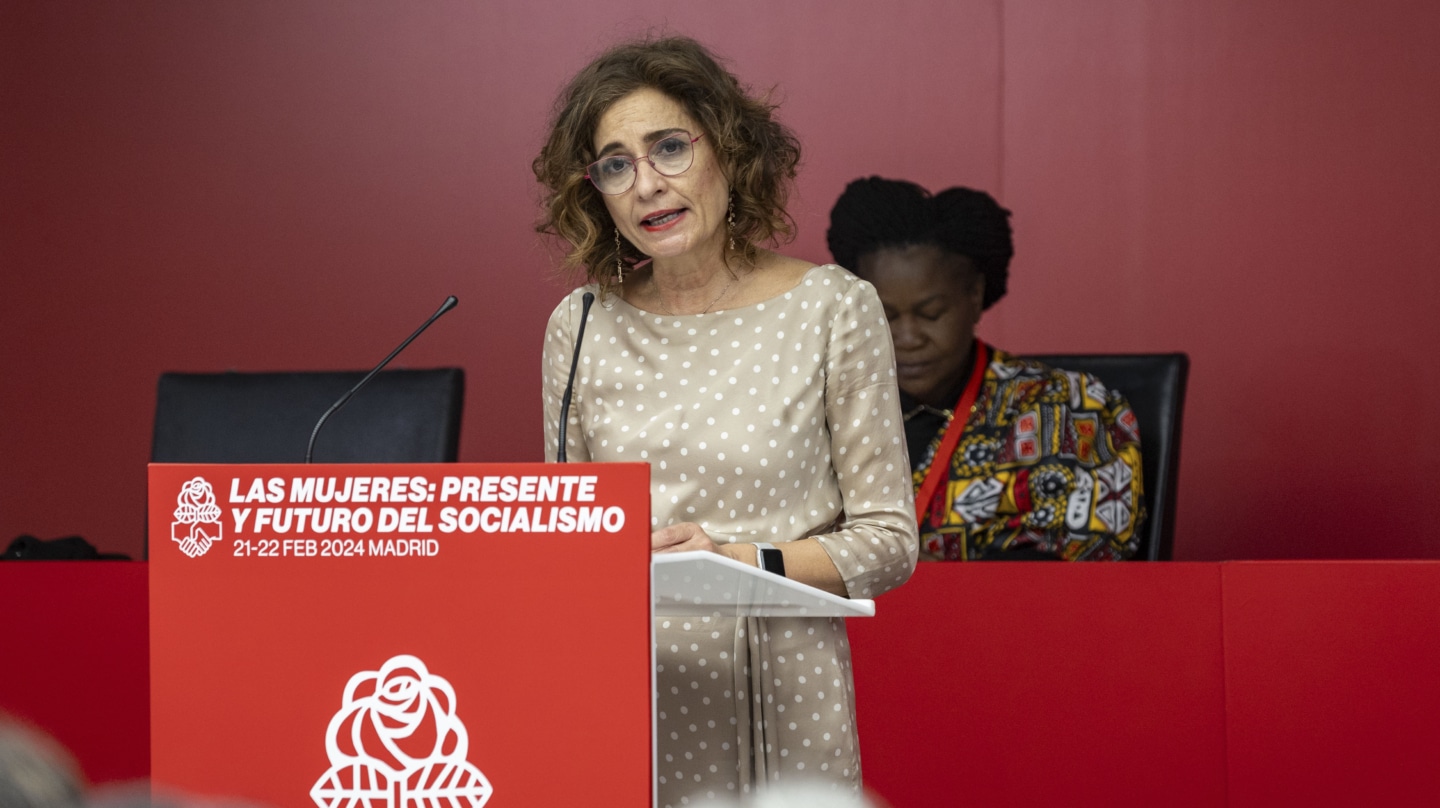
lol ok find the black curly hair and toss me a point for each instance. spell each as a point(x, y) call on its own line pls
point(874, 213)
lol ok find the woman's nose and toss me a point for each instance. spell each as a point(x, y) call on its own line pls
point(648, 181)
point(905, 334)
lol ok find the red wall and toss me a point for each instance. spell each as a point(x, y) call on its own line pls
point(203, 186)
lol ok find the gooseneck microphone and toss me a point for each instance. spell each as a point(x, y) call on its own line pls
point(449, 304)
point(570, 385)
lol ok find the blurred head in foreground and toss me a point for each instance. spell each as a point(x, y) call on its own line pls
point(35, 772)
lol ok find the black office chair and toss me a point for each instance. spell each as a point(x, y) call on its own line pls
point(1154, 384)
point(401, 416)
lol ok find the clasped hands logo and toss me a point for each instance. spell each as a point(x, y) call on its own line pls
point(197, 519)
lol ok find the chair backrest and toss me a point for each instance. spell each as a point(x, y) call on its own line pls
point(401, 416)
point(1154, 384)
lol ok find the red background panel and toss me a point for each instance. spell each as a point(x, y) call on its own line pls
point(1331, 673)
point(1043, 685)
point(270, 186)
point(74, 660)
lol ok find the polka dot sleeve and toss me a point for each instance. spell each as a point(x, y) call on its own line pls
point(876, 544)
point(555, 370)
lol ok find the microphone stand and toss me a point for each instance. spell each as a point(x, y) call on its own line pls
point(449, 304)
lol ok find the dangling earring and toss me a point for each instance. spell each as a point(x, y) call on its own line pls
point(730, 222)
point(619, 266)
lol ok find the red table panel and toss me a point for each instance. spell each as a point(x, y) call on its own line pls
point(74, 659)
point(1247, 684)
point(1044, 685)
point(1333, 683)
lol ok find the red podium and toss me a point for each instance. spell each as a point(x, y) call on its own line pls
point(402, 635)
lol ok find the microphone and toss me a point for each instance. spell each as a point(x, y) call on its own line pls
point(570, 385)
point(449, 304)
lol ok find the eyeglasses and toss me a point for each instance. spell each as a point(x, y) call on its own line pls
point(670, 157)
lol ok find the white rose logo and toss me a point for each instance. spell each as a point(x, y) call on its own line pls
point(197, 518)
point(397, 743)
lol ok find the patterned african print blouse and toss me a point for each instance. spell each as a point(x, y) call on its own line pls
point(1048, 467)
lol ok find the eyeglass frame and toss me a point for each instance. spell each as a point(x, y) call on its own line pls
point(634, 162)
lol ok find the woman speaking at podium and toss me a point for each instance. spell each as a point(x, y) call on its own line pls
point(760, 388)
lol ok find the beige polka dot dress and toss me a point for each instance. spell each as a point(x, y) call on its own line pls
point(772, 422)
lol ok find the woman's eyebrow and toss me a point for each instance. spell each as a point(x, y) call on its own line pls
point(662, 133)
point(658, 134)
point(613, 145)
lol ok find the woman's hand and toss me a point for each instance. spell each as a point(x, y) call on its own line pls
point(690, 536)
point(681, 537)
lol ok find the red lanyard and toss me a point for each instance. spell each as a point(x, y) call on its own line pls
point(940, 463)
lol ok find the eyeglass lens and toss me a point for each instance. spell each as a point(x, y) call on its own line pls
point(616, 173)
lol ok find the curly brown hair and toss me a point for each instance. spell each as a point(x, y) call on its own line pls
point(758, 154)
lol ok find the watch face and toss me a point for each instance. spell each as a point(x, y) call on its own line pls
point(771, 560)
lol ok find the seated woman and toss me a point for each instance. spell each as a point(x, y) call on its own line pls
point(1046, 464)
